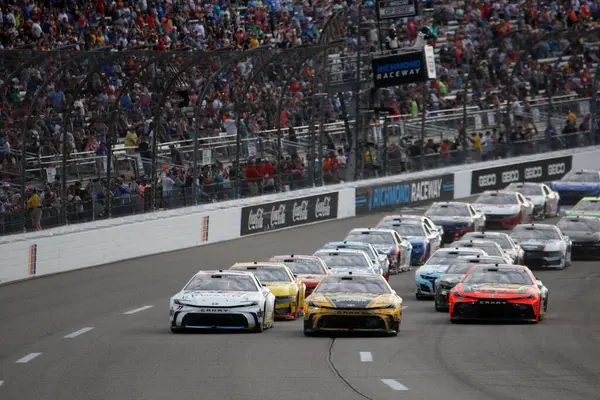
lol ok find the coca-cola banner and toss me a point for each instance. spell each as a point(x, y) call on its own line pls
point(286, 213)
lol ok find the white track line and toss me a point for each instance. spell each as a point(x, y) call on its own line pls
point(394, 384)
point(366, 356)
point(137, 310)
point(28, 358)
point(79, 332)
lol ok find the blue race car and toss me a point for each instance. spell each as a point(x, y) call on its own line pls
point(576, 185)
point(423, 241)
point(378, 259)
point(436, 266)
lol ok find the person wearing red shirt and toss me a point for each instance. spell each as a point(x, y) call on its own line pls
point(268, 173)
point(253, 177)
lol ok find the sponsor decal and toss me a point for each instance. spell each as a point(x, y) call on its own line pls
point(533, 171)
point(288, 213)
point(388, 196)
point(493, 302)
point(205, 225)
point(399, 69)
point(394, 9)
point(32, 259)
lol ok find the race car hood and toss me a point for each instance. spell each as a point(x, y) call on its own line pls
point(583, 237)
point(540, 245)
point(451, 279)
point(591, 213)
point(282, 288)
point(574, 186)
point(497, 209)
point(355, 270)
point(432, 270)
point(537, 200)
point(449, 221)
point(494, 290)
point(352, 301)
point(217, 298)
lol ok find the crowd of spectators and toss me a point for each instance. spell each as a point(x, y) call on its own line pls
point(477, 38)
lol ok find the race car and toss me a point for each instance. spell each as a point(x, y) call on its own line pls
point(340, 261)
point(587, 207)
point(498, 292)
point(289, 292)
point(423, 241)
point(584, 233)
point(222, 300)
point(546, 202)
point(504, 210)
point(543, 245)
point(388, 242)
point(492, 248)
point(378, 259)
point(454, 274)
point(457, 219)
point(435, 267)
point(576, 185)
point(310, 270)
point(503, 239)
point(353, 302)
point(436, 230)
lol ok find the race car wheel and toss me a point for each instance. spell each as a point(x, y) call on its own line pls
point(440, 309)
point(261, 327)
point(420, 297)
point(175, 329)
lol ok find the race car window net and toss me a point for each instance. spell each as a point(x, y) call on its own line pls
point(233, 283)
point(494, 198)
point(270, 274)
point(344, 260)
point(357, 285)
point(583, 225)
point(530, 233)
point(371, 237)
point(587, 205)
point(579, 176)
point(451, 210)
point(305, 267)
point(502, 276)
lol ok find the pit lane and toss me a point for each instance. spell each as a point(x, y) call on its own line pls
point(130, 354)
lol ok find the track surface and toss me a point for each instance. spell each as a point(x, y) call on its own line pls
point(134, 356)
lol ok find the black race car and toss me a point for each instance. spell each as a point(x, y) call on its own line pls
point(456, 218)
point(584, 233)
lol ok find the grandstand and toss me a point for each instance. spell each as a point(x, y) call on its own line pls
point(211, 97)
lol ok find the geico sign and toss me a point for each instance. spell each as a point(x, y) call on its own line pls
point(533, 172)
point(487, 180)
point(556, 169)
point(510, 176)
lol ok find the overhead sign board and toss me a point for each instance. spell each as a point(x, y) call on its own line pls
point(399, 69)
point(393, 9)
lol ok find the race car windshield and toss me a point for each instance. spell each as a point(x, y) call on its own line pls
point(535, 234)
point(344, 260)
point(501, 240)
point(355, 285)
point(502, 276)
point(527, 190)
point(453, 210)
point(443, 257)
point(587, 205)
point(459, 268)
point(305, 267)
point(574, 176)
point(367, 249)
point(232, 283)
point(405, 229)
point(271, 274)
point(489, 248)
point(581, 225)
point(375, 238)
point(496, 199)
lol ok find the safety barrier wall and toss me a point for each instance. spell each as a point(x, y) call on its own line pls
point(79, 246)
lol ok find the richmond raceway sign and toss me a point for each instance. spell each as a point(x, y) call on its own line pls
point(533, 171)
point(288, 213)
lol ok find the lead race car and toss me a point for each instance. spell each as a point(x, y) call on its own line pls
point(504, 210)
point(577, 184)
point(222, 300)
point(498, 292)
point(546, 202)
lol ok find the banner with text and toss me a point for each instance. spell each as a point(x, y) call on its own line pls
point(399, 69)
point(534, 171)
point(388, 196)
point(288, 213)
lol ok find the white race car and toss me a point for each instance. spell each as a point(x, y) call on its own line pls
point(223, 300)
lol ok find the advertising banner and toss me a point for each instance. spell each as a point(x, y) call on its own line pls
point(394, 9)
point(370, 199)
point(287, 213)
point(534, 171)
point(399, 69)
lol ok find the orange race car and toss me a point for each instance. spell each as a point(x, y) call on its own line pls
point(498, 292)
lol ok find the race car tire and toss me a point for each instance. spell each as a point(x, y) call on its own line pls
point(545, 211)
point(175, 329)
point(393, 333)
point(309, 333)
point(440, 309)
point(420, 297)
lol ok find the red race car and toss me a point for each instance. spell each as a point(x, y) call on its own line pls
point(309, 269)
point(498, 292)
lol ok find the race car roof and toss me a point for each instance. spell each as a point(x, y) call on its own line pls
point(495, 266)
point(346, 251)
point(524, 184)
point(348, 243)
point(459, 243)
point(497, 192)
point(450, 203)
point(366, 231)
point(294, 256)
point(404, 216)
point(481, 259)
point(352, 275)
point(258, 264)
point(224, 272)
point(483, 235)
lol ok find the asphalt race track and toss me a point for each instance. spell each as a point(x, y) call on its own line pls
point(103, 333)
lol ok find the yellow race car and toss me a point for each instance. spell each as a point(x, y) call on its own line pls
point(289, 292)
point(353, 302)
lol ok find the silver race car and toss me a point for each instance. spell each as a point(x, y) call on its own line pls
point(492, 248)
point(545, 200)
point(543, 245)
point(233, 300)
point(503, 239)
